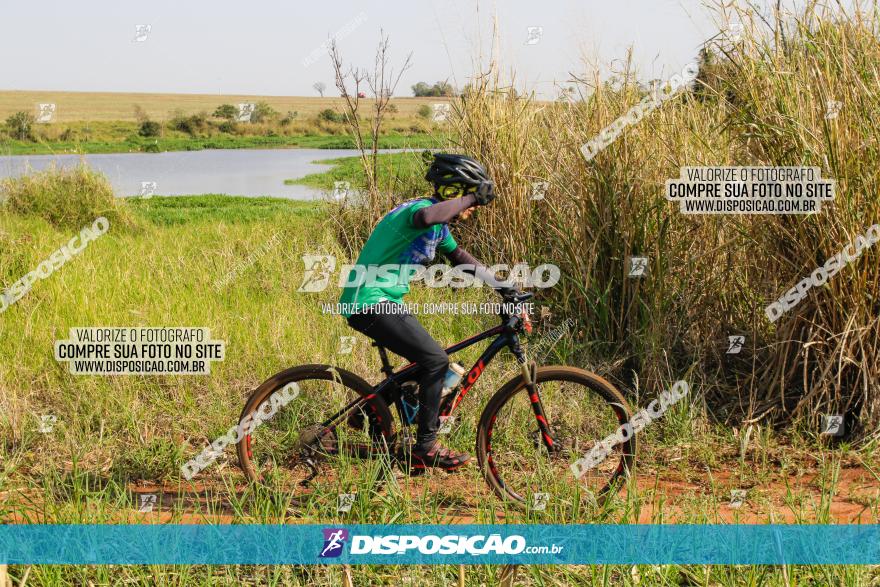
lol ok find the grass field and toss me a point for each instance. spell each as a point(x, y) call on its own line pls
point(107, 123)
point(234, 266)
point(113, 106)
point(750, 424)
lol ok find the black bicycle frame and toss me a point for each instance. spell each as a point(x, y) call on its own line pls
point(505, 338)
point(389, 388)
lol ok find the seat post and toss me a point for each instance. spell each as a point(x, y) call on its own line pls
point(386, 366)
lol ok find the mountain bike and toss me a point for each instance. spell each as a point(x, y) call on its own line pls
point(530, 431)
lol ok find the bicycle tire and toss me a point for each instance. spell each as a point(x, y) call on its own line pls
point(516, 388)
point(377, 408)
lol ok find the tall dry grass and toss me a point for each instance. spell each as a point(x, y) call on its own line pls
point(758, 101)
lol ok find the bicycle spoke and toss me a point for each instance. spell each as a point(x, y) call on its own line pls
point(294, 451)
point(576, 417)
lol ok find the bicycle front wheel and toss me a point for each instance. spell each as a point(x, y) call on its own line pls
point(580, 410)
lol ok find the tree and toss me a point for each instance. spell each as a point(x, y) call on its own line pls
point(382, 81)
point(421, 89)
point(20, 125)
point(442, 88)
point(320, 87)
point(227, 111)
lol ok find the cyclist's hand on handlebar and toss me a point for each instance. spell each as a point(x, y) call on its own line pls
point(512, 294)
point(485, 193)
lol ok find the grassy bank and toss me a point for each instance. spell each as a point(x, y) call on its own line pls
point(183, 143)
point(110, 123)
point(399, 173)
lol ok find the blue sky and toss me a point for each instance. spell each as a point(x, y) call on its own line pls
point(258, 47)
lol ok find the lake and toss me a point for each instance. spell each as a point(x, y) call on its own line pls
point(235, 172)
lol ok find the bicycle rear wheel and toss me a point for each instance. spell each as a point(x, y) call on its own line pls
point(317, 427)
point(581, 409)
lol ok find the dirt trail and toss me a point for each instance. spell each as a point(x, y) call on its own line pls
point(665, 497)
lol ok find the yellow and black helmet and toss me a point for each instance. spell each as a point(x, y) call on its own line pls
point(456, 175)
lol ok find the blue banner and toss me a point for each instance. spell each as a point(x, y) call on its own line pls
point(440, 544)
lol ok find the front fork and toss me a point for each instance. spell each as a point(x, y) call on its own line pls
point(530, 375)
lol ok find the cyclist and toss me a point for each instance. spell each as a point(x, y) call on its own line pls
point(408, 235)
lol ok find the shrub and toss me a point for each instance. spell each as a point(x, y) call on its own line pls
point(227, 126)
point(288, 118)
point(227, 111)
point(20, 126)
point(442, 88)
point(70, 198)
point(424, 111)
point(263, 113)
point(149, 128)
point(710, 276)
point(330, 115)
point(191, 125)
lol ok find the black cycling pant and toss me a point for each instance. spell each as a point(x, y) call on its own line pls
point(403, 335)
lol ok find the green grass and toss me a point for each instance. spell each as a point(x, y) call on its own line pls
point(116, 432)
point(398, 172)
point(223, 209)
point(184, 143)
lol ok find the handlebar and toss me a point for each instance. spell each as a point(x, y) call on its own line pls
point(513, 320)
point(517, 297)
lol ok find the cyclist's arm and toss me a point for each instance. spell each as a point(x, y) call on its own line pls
point(461, 257)
point(442, 212)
